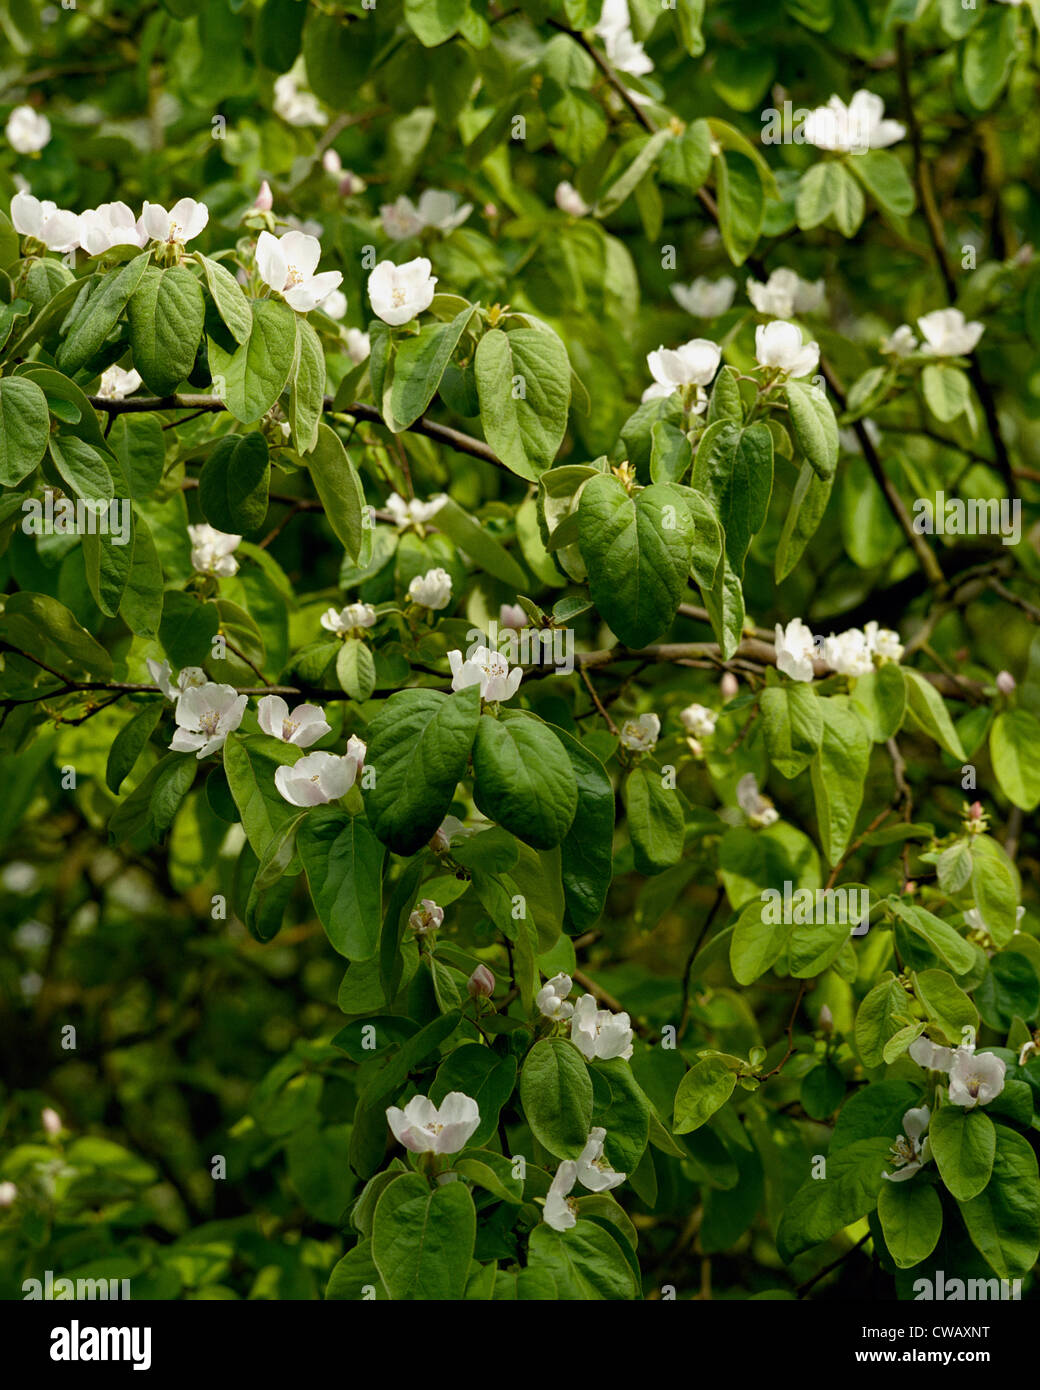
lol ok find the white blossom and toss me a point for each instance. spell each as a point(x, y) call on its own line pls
point(161, 674)
point(106, 226)
point(759, 810)
point(358, 345)
point(883, 642)
point(948, 334)
point(976, 1078)
point(930, 1055)
point(414, 512)
point(287, 264)
point(698, 720)
point(334, 305)
point(212, 551)
point(51, 1121)
point(512, 615)
point(400, 219)
point(424, 1127)
point(704, 298)
point(353, 618)
point(432, 589)
point(849, 653)
point(304, 726)
point(488, 669)
point(551, 1000)
point(786, 293)
point(560, 1211)
point(569, 200)
point(641, 734)
point(795, 650)
point(184, 221)
point(599, 1033)
point(117, 383)
point(859, 126)
point(428, 916)
point(56, 227)
point(205, 715)
point(442, 210)
point(900, 343)
point(614, 28)
point(27, 130)
point(779, 344)
point(693, 364)
point(321, 777)
point(594, 1171)
point(912, 1149)
point(294, 103)
point(399, 292)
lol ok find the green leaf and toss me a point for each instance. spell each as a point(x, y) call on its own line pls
point(883, 1013)
point(733, 469)
point(232, 305)
point(423, 1237)
point(166, 313)
point(987, 55)
point(419, 364)
point(995, 886)
point(911, 1219)
point(234, 482)
point(755, 944)
point(741, 204)
point(584, 1263)
point(947, 391)
point(806, 511)
point(585, 851)
point(656, 825)
point(339, 488)
point(356, 669)
point(964, 1143)
point(523, 779)
point(24, 428)
point(1003, 1221)
point(645, 151)
point(250, 762)
point(824, 1206)
point(187, 628)
point(686, 160)
point(885, 179)
point(792, 725)
point(638, 555)
point(815, 428)
point(143, 817)
point(945, 1003)
point(307, 390)
point(108, 566)
point(419, 745)
point(479, 544)
point(838, 773)
point(252, 378)
point(139, 444)
point(82, 468)
point(129, 743)
point(880, 697)
point(705, 1088)
point(1014, 745)
point(556, 1094)
point(434, 21)
point(343, 861)
point(31, 621)
point(98, 316)
point(523, 383)
point(925, 709)
point(948, 944)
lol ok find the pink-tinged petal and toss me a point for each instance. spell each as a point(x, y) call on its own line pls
point(272, 711)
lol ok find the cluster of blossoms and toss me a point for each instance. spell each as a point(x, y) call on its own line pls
point(595, 1032)
point(691, 367)
point(946, 333)
point(414, 512)
point(436, 209)
point(591, 1169)
point(293, 102)
point(850, 653)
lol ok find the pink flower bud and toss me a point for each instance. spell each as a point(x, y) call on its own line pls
point(265, 198)
point(1006, 682)
point(490, 211)
point(481, 984)
point(975, 811)
point(728, 685)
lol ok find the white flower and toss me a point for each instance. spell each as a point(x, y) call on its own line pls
point(948, 334)
point(614, 28)
point(594, 1172)
point(358, 346)
point(352, 618)
point(205, 715)
point(294, 104)
point(976, 1078)
point(161, 674)
point(27, 130)
point(795, 650)
point(912, 1149)
point(973, 919)
point(1005, 682)
point(560, 1211)
point(321, 777)
point(551, 1000)
point(117, 384)
point(858, 126)
point(432, 589)
point(849, 653)
point(597, 1032)
point(693, 364)
point(569, 200)
point(698, 720)
point(426, 917)
point(883, 642)
point(56, 227)
point(930, 1055)
point(779, 344)
point(51, 1121)
point(399, 292)
point(212, 551)
point(184, 221)
point(8, 1194)
point(424, 1127)
point(334, 305)
point(303, 727)
point(414, 512)
point(442, 210)
point(759, 810)
point(400, 219)
point(705, 299)
point(108, 225)
point(1026, 1051)
point(488, 669)
point(331, 163)
point(786, 293)
point(287, 264)
point(641, 734)
point(512, 615)
point(900, 343)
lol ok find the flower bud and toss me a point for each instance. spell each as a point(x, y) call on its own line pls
point(51, 1122)
point(975, 811)
point(8, 1193)
point(265, 198)
point(728, 686)
point(426, 917)
point(331, 162)
point(826, 1019)
point(1006, 682)
point(440, 843)
point(481, 984)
